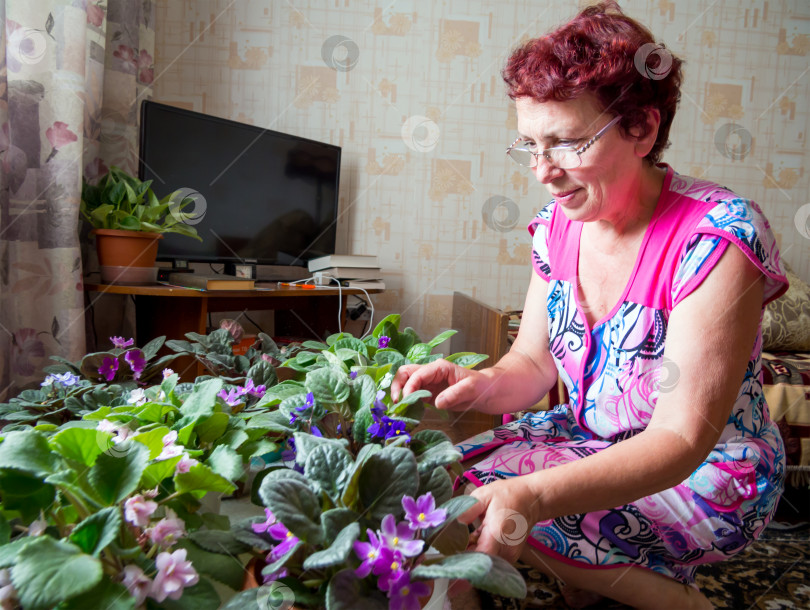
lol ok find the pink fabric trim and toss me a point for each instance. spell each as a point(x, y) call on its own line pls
point(704, 272)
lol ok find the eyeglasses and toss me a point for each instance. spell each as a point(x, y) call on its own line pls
point(562, 157)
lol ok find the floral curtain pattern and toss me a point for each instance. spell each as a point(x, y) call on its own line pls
point(72, 75)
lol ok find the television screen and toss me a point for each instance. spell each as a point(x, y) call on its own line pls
point(260, 196)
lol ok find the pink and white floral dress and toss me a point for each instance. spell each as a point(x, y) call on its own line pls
point(614, 373)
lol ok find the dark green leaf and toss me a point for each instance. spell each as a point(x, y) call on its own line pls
point(335, 520)
point(483, 571)
point(451, 538)
point(385, 478)
point(466, 359)
point(347, 592)
point(82, 445)
point(219, 541)
point(295, 504)
point(337, 552)
point(437, 483)
point(329, 467)
point(442, 454)
point(97, 531)
point(218, 566)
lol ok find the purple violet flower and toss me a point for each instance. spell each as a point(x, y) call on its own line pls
point(422, 512)
point(108, 368)
point(261, 528)
point(254, 390)
point(368, 552)
point(121, 343)
point(315, 431)
point(293, 417)
point(400, 537)
point(388, 566)
point(383, 342)
point(287, 540)
point(353, 375)
point(404, 594)
point(308, 404)
point(65, 379)
point(268, 578)
point(379, 408)
point(232, 397)
point(136, 361)
point(396, 430)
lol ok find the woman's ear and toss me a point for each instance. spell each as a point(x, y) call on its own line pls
point(644, 144)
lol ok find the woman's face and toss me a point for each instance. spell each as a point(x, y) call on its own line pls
point(606, 186)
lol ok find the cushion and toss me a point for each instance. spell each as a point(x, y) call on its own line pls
point(786, 385)
point(786, 321)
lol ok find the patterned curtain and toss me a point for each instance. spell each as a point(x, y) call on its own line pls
point(72, 76)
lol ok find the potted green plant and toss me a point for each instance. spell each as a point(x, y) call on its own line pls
point(360, 510)
point(128, 220)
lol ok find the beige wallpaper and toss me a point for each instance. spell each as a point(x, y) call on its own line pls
point(411, 90)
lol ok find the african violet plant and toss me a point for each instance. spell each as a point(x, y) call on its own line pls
point(104, 511)
point(359, 509)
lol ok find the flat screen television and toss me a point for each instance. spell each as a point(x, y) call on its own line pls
point(261, 196)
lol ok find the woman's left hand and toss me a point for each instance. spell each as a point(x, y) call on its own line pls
point(507, 512)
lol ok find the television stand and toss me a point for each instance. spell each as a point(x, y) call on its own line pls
point(173, 312)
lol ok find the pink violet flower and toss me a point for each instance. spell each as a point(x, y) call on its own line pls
point(166, 532)
point(108, 368)
point(167, 373)
point(174, 574)
point(185, 464)
point(37, 527)
point(136, 582)
point(136, 361)
point(232, 397)
point(422, 512)
point(400, 537)
point(170, 450)
point(138, 510)
point(121, 343)
point(404, 594)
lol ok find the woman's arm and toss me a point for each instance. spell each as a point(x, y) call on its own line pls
point(709, 340)
point(517, 381)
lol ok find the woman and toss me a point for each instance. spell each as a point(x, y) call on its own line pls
point(646, 298)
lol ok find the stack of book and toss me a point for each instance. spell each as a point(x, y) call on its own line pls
point(352, 270)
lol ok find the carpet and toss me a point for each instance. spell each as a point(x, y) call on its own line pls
point(772, 574)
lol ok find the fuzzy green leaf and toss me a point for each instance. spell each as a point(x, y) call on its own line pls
point(483, 571)
point(48, 572)
point(385, 478)
point(226, 462)
point(28, 451)
point(116, 473)
point(295, 504)
point(82, 445)
point(201, 478)
point(328, 385)
point(337, 552)
point(329, 468)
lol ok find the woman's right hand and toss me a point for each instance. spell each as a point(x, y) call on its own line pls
point(452, 387)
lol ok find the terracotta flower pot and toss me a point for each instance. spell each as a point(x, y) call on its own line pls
point(126, 248)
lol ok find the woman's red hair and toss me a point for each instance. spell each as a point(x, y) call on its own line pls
point(603, 52)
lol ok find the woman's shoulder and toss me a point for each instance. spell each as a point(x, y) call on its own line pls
point(543, 217)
